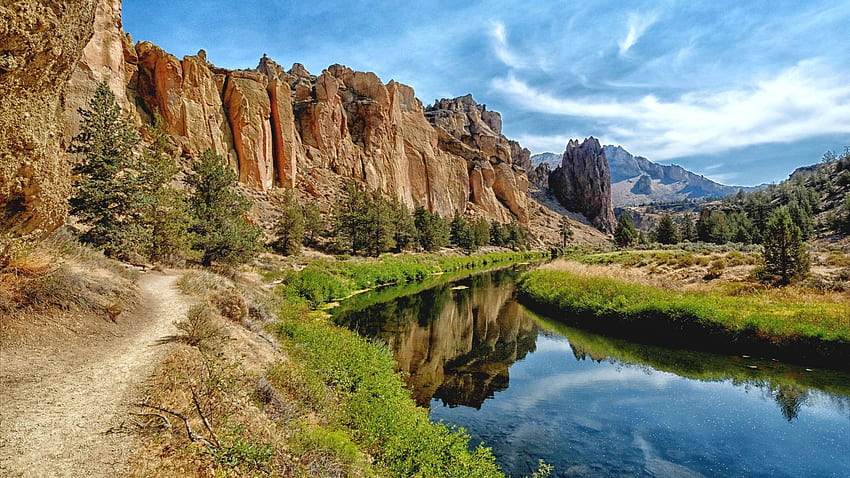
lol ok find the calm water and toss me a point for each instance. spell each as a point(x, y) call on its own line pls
point(531, 388)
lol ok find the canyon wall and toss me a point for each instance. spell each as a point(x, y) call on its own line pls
point(40, 42)
point(291, 128)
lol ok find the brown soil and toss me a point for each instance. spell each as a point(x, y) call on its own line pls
point(64, 405)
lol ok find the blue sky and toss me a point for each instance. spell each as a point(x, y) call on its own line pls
point(743, 92)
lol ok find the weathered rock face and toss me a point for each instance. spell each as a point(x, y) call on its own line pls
point(582, 183)
point(40, 42)
point(109, 56)
point(643, 185)
point(539, 176)
point(497, 165)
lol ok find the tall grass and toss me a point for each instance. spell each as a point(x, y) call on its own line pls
point(376, 410)
point(816, 330)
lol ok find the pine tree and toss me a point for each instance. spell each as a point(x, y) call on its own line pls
point(221, 232)
point(498, 234)
point(666, 232)
point(351, 216)
point(164, 217)
point(481, 232)
point(461, 234)
point(687, 230)
point(785, 256)
point(517, 237)
point(625, 234)
point(314, 224)
point(106, 196)
point(379, 228)
point(433, 231)
point(405, 228)
point(289, 227)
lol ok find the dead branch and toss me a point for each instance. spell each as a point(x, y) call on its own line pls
point(192, 435)
point(203, 417)
point(158, 415)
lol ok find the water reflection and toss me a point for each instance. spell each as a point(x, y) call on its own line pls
point(597, 406)
point(453, 342)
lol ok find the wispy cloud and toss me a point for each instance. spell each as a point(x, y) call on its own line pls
point(803, 101)
point(501, 48)
point(637, 25)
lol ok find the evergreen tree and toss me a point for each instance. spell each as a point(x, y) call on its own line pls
point(481, 232)
point(379, 228)
point(498, 234)
point(405, 228)
point(713, 226)
point(221, 232)
point(460, 233)
point(566, 231)
point(666, 232)
point(107, 194)
point(163, 217)
point(289, 227)
point(625, 234)
point(517, 238)
point(785, 255)
point(314, 224)
point(352, 216)
point(433, 231)
point(687, 230)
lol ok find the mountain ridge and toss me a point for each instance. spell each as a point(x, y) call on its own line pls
point(637, 180)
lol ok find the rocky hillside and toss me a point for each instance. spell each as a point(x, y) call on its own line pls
point(636, 180)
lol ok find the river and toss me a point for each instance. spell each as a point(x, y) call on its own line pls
point(532, 388)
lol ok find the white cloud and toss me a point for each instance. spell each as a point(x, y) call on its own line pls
point(637, 25)
point(803, 101)
point(501, 48)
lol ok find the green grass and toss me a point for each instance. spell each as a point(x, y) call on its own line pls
point(351, 382)
point(761, 317)
point(325, 281)
point(375, 409)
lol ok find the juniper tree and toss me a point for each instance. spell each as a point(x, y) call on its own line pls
point(785, 256)
point(106, 196)
point(218, 224)
point(289, 227)
point(666, 232)
point(164, 217)
point(625, 233)
point(565, 230)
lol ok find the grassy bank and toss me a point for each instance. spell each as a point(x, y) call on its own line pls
point(351, 382)
point(323, 281)
point(805, 331)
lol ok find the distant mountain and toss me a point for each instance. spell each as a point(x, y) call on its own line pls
point(637, 180)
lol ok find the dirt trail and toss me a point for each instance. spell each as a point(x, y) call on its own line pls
point(61, 415)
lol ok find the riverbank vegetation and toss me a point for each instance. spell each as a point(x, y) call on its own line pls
point(793, 323)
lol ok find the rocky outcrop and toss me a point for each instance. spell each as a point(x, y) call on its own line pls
point(110, 57)
point(497, 165)
point(40, 42)
point(582, 183)
point(539, 176)
point(643, 185)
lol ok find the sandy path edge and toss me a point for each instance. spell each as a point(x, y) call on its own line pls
point(67, 421)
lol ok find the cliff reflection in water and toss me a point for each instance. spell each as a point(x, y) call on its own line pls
point(453, 344)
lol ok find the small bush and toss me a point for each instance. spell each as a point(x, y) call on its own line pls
point(231, 304)
point(199, 327)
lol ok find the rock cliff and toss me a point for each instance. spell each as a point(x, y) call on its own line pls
point(275, 127)
point(582, 183)
point(291, 128)
point(40, 43)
